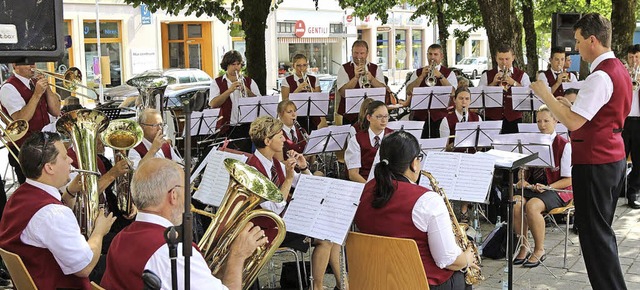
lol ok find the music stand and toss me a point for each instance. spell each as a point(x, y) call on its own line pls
point(203, 124)
point(412, 127)
point(353, 98)
point(476, 134)
point(486, 97)
point(328, 139)
point(573, 85)
point(428, 98)
point(311, 104)
point(525, 100)
point(250, 109)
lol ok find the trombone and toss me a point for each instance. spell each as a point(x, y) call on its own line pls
point(13, 131)
point(71, 80)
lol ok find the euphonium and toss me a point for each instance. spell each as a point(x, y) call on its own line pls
point(122, 135)
point(431, 78)
point(247, 189)
point(82, 128)
point(473, 275)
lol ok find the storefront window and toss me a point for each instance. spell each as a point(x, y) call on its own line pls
point(318, 55)
point(187, 45)
point(416, 48)
point(382, 50)
point(111, 53)
point(401, 49)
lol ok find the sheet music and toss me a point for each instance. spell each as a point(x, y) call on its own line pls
point(202, 165)
point(485, 131)
point(216, 178)
point(528, 143)
point(503, 158)
point(437, 97)
point(465, 177)
point(319, 103)
point(522, 98)
point(204, 123)
point(354, 98)
point(572, 85)
point(333, 137)
point(486, 97)
point(251, 108)
point(323, 208)
point(412, 127)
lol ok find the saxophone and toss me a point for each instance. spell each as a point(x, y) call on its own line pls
point(473, 275)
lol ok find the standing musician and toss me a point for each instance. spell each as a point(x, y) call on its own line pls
point(43, 231)
point(159, 194)
point(300, 82)
point(268, 137)
point(631, 132)
point(358, 73)
point(542, 196)
point(507, 76)
point(567, 66)
point(556, 74)
point(596, 120)
point(443, 77)
point(394, 205)
point(363, 147)
point(224, 94)
point(25, 96)
point(154, 143)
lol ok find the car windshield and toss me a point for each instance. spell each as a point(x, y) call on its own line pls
point(468, 61)
point(182, 76)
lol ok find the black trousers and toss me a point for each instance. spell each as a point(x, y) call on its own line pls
point(631, 137)
point(431, 129)
point(596, 189)
point(510, 127)
point(456, 282)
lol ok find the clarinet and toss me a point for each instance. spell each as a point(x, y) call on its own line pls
point(305, 136)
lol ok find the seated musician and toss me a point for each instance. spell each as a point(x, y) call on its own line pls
point(39, 228)
point(157, 188)
point(569, 97)
point(295, 137)
point(362, 116)
point(362, 147)
point(267, 135)
point(537, 196)
point(154, 143)
point(225, 92)
point(393, 205)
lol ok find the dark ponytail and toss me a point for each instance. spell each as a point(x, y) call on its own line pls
point(397, 151)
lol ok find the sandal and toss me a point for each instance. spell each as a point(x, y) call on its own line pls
point(464, 217)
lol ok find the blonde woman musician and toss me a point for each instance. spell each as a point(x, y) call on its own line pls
point(300, 81)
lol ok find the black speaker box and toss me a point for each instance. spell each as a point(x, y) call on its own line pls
point(31, 31)
point(562, 34)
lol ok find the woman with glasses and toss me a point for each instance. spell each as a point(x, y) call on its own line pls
point(154, 143)
point(299, 82)
point(363, 147)
point(224, 94)
point(394, 205)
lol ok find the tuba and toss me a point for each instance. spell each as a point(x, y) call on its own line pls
point(151, 89)
point(247, 189)
point(472, 276)
point(122, 135)
point(82, 128)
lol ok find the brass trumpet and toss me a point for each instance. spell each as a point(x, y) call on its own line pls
point(361, 62)
point(503, 80)
point(71, 80)
point(431, 78)
point(634, 78)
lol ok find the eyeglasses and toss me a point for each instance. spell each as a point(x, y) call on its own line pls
point(159, 125)
point(174, 187)
point(45, 141)
point(420, 157)
point(302, 65)
point(380, 117)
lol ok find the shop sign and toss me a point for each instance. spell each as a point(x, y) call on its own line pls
point(311, 29)
point(145, 14)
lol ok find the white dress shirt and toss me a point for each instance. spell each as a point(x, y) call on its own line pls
point(596, 91)
point(55, 228)
point(297, 79)
point(343, 77)
point(524, 82)
point(160, 263)
point(452, 78)
point(135, 157)
point(276, 207)
point(444, 125)
point(214, 91)
point(352, 156)
point(635, 105)
point(543, 77)
point(11, 98)
point(565, 160)
point(287, 132)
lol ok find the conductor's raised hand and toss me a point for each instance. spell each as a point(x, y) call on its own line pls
point(539, 88)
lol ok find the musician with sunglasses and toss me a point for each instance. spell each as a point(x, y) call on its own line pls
point(28, 97)
point(224, 94)
point(394, 205)
point(154, 143)
point(43, 231)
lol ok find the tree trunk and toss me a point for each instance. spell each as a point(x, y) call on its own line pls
point(530, 38)
point(254, 23)
point(623, 25)
point(502, 25)
point(443, 31)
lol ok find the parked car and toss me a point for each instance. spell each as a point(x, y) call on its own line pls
point(473, 66)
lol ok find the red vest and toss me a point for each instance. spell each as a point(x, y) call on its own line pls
point(289, 144)
point(72, 154)
point(293, 85)
point(599, 141)
point(349, 68)
point(225, 108)
point(267, 224)
point(357, 126)
point(40, 263)
point(394, 220)
point(367, 152)
point(452, 119)
point(507, 103)
point(552, 79)
point(40, 116)
point(142, 150)
point(436, 114)
point(553, 174)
